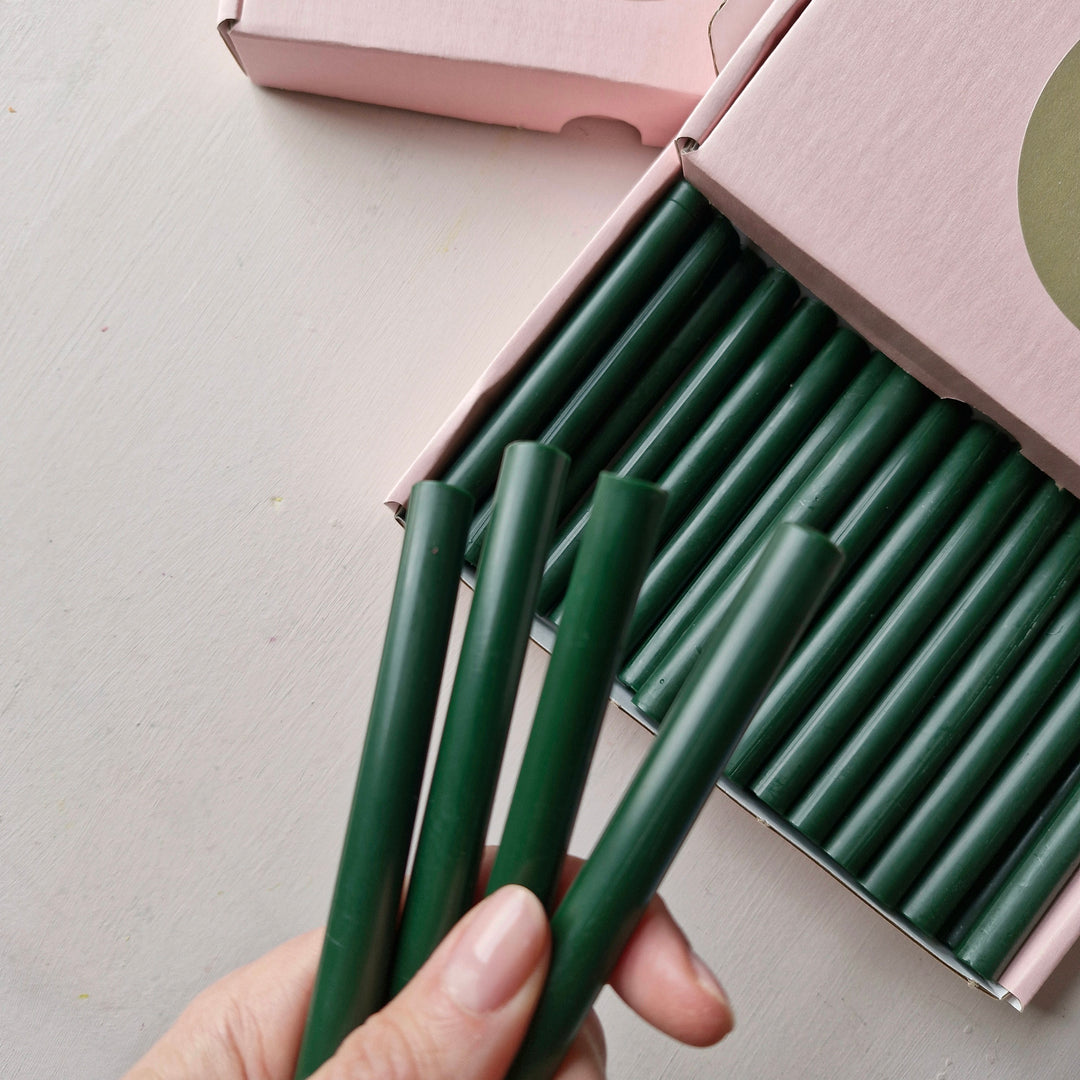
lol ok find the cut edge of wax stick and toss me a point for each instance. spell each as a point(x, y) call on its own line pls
point(354, 964)
point(455, 821)
point(612, 890)
point(615, 552)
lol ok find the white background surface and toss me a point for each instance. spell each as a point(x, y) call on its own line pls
point(229, 319)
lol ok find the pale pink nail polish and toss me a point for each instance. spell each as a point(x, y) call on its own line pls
point(499, 950)
point(706, 979)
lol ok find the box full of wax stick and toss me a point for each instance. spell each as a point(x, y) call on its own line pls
point(537, 66)
point(935, 207)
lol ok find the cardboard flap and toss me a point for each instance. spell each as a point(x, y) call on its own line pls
point(227, 17)
point(740, 46)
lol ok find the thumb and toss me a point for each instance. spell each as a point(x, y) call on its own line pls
point(464, 1014)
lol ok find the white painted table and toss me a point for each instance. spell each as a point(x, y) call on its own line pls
point(229, 319)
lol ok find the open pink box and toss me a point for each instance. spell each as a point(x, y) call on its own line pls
point(843, 146)
point(537, 66)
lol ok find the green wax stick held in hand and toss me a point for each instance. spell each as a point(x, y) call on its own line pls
point(614, 555)
point(444, 874)
point(609, 895)
point(354, 967)
point(622, 288)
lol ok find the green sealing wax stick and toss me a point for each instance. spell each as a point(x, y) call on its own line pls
point(756, 523)
point(607, 899)
point(618, 295)
point(1014, 849)
point(683, 410)
point(1018, 787)
point(614, 554)
point(865, 597)
point(823, 729)
point(1012, 914)
point(944, 647)
point(954, 790)
point(354, 967)
point(838, 471)
point(648, 332)
point(711, 314)
point(908, 772)
point(715, 443)
point(723, 506)
point(914, 458)
point(447, 862)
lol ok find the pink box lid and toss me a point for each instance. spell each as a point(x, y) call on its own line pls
point(530, 65)
point(875, 155)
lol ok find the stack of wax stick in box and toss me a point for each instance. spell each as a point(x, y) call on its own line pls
point(926, 733)
point(369, 952)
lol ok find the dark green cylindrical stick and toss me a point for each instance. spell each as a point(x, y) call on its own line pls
point(444, 875)
point(865, 598)
point(1023, 899)
point(590, 403)
point(354, 967)
point(614, 555)
point(822, 493)
point(718, 305)
point(959, 784)
point(1034, 823)
point(935, 658)
point(767, 451)
point(741, 539)
point(607, 899)
point(616, 298)
point(683, 410)
point(1017, 788)
point(914, 458)
point(763, 384)
point(910, 770)
point(823, 729)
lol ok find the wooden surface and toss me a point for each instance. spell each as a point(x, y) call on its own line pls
point(230, 318)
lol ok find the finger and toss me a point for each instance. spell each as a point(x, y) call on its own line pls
point(465, 1012)
point(570, 867)
point(244, 1024)
point(666, 983)
point(588, 1054)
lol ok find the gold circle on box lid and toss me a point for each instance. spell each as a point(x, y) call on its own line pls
point(1048, 186)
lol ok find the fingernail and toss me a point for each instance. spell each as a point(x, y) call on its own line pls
point(498, 951)
point(707, 980)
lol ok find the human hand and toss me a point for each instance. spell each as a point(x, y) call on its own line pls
point(462, 1017)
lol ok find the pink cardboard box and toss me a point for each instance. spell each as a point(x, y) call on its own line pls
point(528, 65)
point(891, 157)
